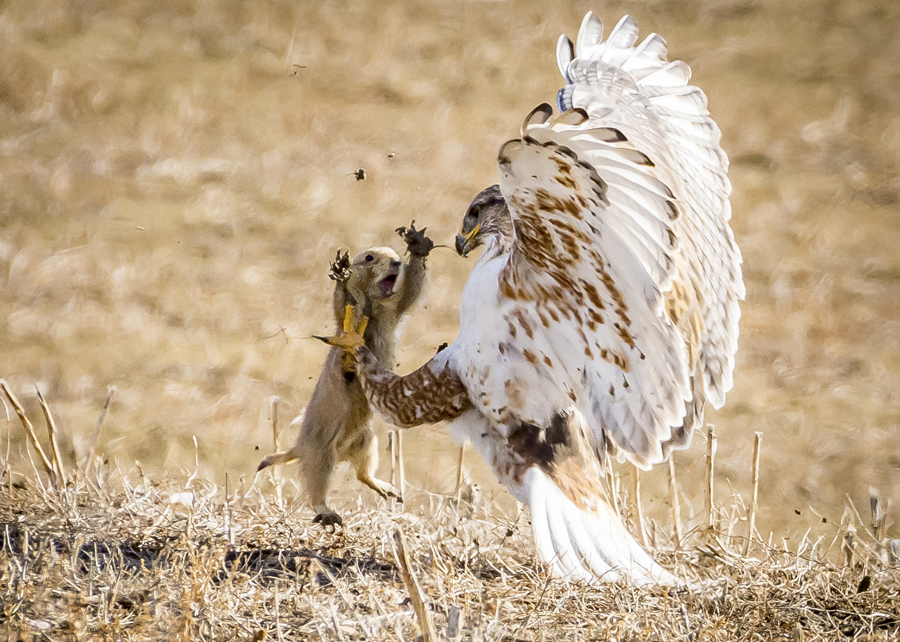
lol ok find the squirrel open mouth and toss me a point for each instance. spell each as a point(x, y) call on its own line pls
point(387, 285)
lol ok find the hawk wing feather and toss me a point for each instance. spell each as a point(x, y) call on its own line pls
point(637, 90)
point(587, 277)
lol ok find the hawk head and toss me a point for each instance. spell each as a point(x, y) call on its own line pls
point(488, 216)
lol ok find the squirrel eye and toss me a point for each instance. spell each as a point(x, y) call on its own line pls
point(369, 258)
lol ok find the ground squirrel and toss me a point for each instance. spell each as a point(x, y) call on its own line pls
point(335, 424)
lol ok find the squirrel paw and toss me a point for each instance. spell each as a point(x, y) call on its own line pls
point(340, 267)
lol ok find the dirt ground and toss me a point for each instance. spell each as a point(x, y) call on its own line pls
point(175, 176)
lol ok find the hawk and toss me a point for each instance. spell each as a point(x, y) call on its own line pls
point(602, 314)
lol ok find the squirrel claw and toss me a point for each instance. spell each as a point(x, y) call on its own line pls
point(340, 267)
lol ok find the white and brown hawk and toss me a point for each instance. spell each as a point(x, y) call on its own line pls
point(603, 312)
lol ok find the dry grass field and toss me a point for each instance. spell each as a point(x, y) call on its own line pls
point(146, 563)
point(175, 176)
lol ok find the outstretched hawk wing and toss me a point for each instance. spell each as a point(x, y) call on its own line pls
point(632, 87)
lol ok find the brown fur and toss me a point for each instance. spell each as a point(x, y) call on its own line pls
point(335, 425)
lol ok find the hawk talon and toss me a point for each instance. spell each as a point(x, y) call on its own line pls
point(417, 243)
point(351, 338)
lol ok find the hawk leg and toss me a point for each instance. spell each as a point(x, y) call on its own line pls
point(351, 339)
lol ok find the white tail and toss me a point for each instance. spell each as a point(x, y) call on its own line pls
point(591, 545)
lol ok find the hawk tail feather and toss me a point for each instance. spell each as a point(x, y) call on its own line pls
point(587, 544)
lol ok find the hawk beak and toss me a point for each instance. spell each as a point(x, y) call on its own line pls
point(465, 243)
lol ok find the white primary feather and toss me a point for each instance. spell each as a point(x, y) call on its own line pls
point(635, 89)
point(565, 52)
point(590, 33)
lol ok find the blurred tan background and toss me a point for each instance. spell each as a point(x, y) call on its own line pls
point(175, 176)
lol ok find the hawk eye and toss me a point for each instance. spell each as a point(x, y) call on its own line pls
point(472, 213)
point(369, 258)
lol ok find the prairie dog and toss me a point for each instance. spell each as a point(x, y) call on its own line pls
point(335, 424)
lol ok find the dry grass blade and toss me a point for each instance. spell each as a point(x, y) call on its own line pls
point(53, 431)
point(878, 515)
point(676, 504)
point(893, 550)
point(401, 469)
point(638, 507)
point(276, 471)
point(710, 477)
point(848, 545)
point(459, 470)
point(613, 480)
point(229, 535)
point(423, 615)
point(92, 444)
point(274, 403)
point(392, 447)
point(6, 461)
point(29, 428)
point(754, 500)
